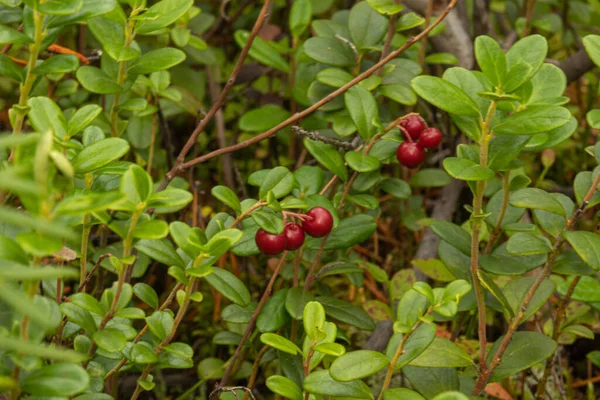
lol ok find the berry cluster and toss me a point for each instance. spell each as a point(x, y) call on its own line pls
point(317, 222)
point(419, 137)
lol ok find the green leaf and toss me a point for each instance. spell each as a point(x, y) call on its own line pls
point(82, 118)
point(58, 64)
point(363, 110)
point(386, 7)
point(60, 7)
point(330, 51)
point(335, 77)
point(536, 199)
point(109, 339)
point(227, 196)
point(169, 200)
point(347, 313)
point(280, 343)
point(360, 162)
point(586, 290)
point(466, 170)
point(491, 59)
point(283, 386)
point(321, 382)
point(229, 286)
point(300, 16)
point(430, 177)
point(441, 58)
point(408, 21)
point(262, 51)
point(401, 394)
point(453, 234)
point(18, 218)
point(136, 184)
point(313, 318)
point(142, 353)
point(270, 222)
point(40, 350)
point(295, 301)
point(367, 27)
point(396, 187)
point(587, 246)
point(9, 69)
point(518, 75)
point(416, 344)
point(146, 293)
point(525, 350)
point(331, 349)
point(548, 83)
point(527, 244)
point(44, 114)
point(434, 269)
point(531, 49)
point(534, 119)
point(451, 396)
point(22, 304)
point(263, 118)
point(56, 380)
point(445, 95)
point(273, 315)
point(160, 250)
point(151, 229)
point(592, 47)
point(490, 285)
point(9, 35)
point(279, 181)
point(352, 230)
point(516, 290)
point(97, 81)
point(163, 14)
point(328, 156)
point(80, 204)
point(442, 353)
point(156, 60)
point(582, 184)
point(593, 118)
point(357, 365)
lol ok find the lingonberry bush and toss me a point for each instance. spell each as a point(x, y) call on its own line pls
point(307, 199)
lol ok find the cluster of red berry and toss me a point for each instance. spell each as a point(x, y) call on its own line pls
point(317, 222)
point(419, 137)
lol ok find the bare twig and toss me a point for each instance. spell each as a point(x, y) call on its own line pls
point(219, 102)
point(298, 116)
point(483, 378)
point(313, 135)
point(90, 274)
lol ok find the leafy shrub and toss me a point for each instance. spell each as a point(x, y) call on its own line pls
point(128, 250)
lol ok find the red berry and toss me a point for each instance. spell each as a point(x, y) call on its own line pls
point(294, 234)
point(430, 138)
point(269, 243)
point(410, 154)
point(414, 126)
point(319, 222)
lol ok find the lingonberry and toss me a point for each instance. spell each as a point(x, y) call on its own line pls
point(430, 138)
point(294, 233)
point(410, 154)
point(269, 243)
point(319, 222)
point(414, 126)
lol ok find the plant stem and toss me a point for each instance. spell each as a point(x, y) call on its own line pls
point(255, 366)
point(486, 136)
point(85, 234)
point(178, 318)
point(139, 336)
point(152, 142)
point(246, 213)
point(397, 354)
point(250, 327)
point(127, 245)
point(558, 318)
point(122, 75)
point(483, 378)
point(25, 89)
point(498, 227)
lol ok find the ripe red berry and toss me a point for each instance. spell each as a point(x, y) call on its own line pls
point(410, 154)
point(414, 126)
point(319, 222)
point(269, 243)
point(430, 138)
point(294, 234)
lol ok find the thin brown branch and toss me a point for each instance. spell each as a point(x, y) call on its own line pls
point(250, 327)
point(298, 116)
point(90, 274)
point(219, 102)
point(313, 135)
point(483, 378)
